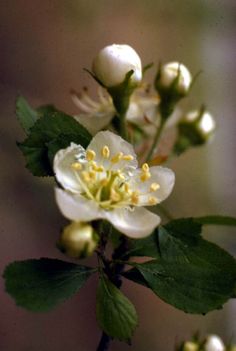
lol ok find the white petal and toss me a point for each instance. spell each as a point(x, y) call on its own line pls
point(76, 207)
point(116, 144)
point(63, 160)
point(95, 122)
point(135, 223)
point(164, 177)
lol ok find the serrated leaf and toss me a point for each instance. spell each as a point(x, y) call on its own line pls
point(44, 140)
point(190, 273)
point(39, 285)
point(116, 315)
point(216, 220)
point(27, 116)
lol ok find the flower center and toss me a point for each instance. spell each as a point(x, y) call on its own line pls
point(111, 188)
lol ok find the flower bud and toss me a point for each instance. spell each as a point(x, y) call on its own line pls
point(190, 346)
point(78, 240)
point(195, 129)
point(173, 78)
point(113, 62)
point(214, 343)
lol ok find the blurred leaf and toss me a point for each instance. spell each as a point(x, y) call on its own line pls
point(216, 220)
point(116, 315)
point(49, 133)
point(39, 285)
point(27, 116)
point(190, 273)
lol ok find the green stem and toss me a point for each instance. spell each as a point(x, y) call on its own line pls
point(156, 140)
point(123, 127)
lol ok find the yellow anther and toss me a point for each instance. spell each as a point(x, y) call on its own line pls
point(86, 176)
point(92, 175)
point(152, 200)
point(90, 155)
point(128, 157)
point(114, 196)
point(121, 175)
point(76, 166)
point(135, 197)
point(105, 151)
point(145, 176)
point(145, 167)
point(97, 168)
point(154, 187)
point(126, 187)
point(104, 182)
point(117, 157)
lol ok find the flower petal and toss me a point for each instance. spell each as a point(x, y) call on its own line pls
point(95, 122)
point(76, 207)
point(115, 144)
point(162, 176)
point(63, 160)
point(135, 223)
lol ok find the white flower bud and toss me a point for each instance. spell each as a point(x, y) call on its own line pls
point(214, 343)
point(78, 240)
point(113, 62)
point(190, 346)
point(169, 72)
point(204, 122)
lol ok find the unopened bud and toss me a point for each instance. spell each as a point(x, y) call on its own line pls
point(196, 128)
point(78, 240)
point(113, 62)
point(214, 343)
point(173, 78)
point(190, 346)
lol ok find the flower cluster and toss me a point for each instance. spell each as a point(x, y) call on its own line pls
point(210, 343)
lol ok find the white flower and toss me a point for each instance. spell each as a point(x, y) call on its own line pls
point(203, 121)
point(78, 240)
point(113, 62)
point(170, 71)
point(214, 343)
point(142, 111)
point(103, 182)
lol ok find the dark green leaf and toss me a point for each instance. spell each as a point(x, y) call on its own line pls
point(190, 273)
point(144, 247)
point(27, 116)
point(216, 220)
point(39, 285)
point(116, 315)
point(48, 134)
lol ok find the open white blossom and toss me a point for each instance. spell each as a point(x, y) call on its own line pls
point(103, 182)
point(113, 62)
point(142, 111)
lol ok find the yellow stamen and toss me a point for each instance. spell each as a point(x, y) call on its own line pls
point(105, 151)
point(97, 168)
point(76, 166)
point(135, 197)
point(152, 200)
point(145, 176)
point(92, 175)
point(120, 175)
point(104, 182)
point(126, 186)
point(128, 158)
point(90, 155)
point(86, 176)
point(145, 167)
point(154, 187)
point(117, 157)
point(114, 196)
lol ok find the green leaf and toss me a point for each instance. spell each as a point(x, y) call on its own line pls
point(189, 273)
point(216, 220)
point(144, 247)
point(116, 315)
point(51, 132)
point(39, 285)
point(27, 116)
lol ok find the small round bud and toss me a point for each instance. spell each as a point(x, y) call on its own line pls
point(190, 346)
point(113, 62)
point(78, 240)
point(214, 343)
point(175, 76)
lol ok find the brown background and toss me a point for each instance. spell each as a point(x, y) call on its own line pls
point(43, 47)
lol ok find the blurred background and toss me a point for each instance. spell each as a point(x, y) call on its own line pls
point(44, 46)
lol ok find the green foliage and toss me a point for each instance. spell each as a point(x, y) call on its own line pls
point(189, 272)
point(116, 315)
point(26, 115)
point(50, 133)
point(217, 220)
point(39, 285)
